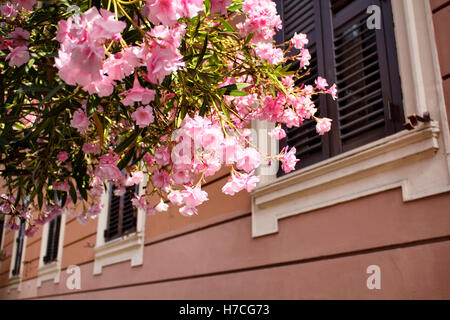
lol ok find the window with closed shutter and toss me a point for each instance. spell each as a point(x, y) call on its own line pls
point(19, 248)
point(54, 228)
point(363, 64)
point(122, 216)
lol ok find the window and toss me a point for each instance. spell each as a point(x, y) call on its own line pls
point(120, 229)
point(19, 249)
point(363, 64)
point(122, 215)
point(51, 253)
point(412, 160)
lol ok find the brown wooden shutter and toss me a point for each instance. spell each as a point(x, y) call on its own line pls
point(53, 240)
point(367, 77)
point(122, 215)
point(362, 62)
point(303, 16)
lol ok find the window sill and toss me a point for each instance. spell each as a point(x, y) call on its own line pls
point(49, 271)
point(14, 283)
point(406, 159)
point(118, 250)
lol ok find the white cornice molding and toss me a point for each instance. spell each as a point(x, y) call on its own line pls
point(417, 161)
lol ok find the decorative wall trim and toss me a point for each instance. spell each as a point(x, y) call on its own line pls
point(130, 247)
point(118, 250)
point(417, 161)
point(52, 270)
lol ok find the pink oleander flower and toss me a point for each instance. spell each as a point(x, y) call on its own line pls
point(188, 211)
point(299, 40)
point(139, 202)
point(120, 191)
point(248, 160)
point(27, 4)
point(323, 125)
point(19, 37)
point(181, 177)
point(321, 83)
point(143, 116)
point(266, 51)
point(61, 186)
point(231, 150)
point(82, 219)
point(277, 133)
point(333, 91)
point(240, 181)
point(305, 58)
point(31, 231)
point(122, 64)
point(288, 160)
point(162, 156)
point(80, 121)
point(149, 159)
point(91, 148)
point(234, 185)
point(161, 179)
point(193, 197)
point(290, 118)
point(220, 6)
point(162, 206)
point(5, 208)
point(94, 210)
point(175, 197)
point(62, 156)
point(166, 12)
point(107, 168)
point(138, 94)
point(136, 178)
point(211, 138)
point(18, 56)
point(104, 86)
point(8, 10)
point(161, 62)
point(103, 25)
point(262, 20)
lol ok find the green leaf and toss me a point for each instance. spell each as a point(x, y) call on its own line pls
point(202, 54)
point(207, 7)
point(127, 142)
point(227, 26)
point(235, 89)
point(72, 192)
point(51, 94)
point(235, 7)
point(278, 83)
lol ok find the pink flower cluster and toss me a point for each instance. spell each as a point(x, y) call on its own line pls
point(261, 19)
point(80, 58)
point(168, 12)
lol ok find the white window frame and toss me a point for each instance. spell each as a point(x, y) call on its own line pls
point(52, 270)
point(14, 282)
point(128, 247)
point(417, 161)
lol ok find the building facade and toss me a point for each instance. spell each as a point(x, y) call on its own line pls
point(365, 215)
